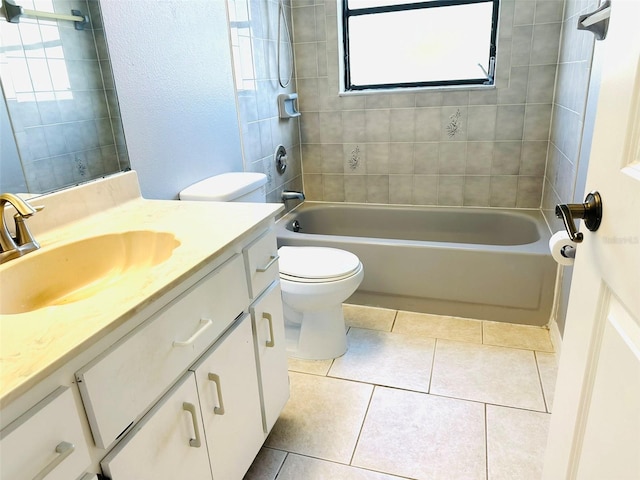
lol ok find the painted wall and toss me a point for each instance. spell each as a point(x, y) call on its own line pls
point(173, 72)
point(569, 145)
point(396, 148)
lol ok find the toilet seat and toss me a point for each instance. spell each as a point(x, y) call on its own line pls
point(316, 264)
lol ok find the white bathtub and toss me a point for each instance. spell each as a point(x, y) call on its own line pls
point(490, 264)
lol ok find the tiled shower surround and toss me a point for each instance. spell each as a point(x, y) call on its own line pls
point(61, 98)
point(574, 69)
point(476, 147)
point(254, 26)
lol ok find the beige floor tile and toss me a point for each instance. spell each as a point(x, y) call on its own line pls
point(516, 440)
point(385, 358)
point(423, 436)
point(368, 317)
point(322, 418)
point(548, 367)
point(438, 326)
point(266, 464)
point(297, 467)
point(315, 367)
point(516, 336)
point(484, 373)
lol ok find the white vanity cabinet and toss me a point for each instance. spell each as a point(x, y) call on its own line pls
point(46, 442)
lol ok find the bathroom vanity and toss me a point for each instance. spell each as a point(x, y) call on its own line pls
point(172, 369)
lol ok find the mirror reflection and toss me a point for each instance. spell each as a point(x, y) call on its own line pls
point(60, 118)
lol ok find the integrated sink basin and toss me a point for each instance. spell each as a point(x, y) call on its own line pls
point(78, 270)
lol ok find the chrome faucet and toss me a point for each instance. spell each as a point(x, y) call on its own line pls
point(23, 242)
point(291, 195)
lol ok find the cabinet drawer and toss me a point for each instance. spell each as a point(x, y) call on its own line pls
point(48, 438)
point(121, 384)
point(261, 257)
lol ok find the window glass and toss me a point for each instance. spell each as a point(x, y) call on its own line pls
point(440, 45)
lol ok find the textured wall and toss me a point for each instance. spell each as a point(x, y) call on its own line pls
point(254, 35)
point(397, 148)
point(60, 96)
point(173, 71)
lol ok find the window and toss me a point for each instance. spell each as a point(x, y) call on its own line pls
point(410, 43)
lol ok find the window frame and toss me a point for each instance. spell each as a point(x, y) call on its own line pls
point(347, 86)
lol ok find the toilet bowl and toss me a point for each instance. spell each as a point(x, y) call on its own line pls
point(314, 280)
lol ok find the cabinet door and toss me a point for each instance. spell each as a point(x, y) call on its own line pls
point(46, 442)
point(271, 354)
point(167, 443)
point(230, 400)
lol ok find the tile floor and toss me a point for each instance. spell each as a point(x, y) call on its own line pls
point(417, 396)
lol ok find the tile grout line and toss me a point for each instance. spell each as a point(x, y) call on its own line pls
point(282, 464)
point(433, 364)
point(486, 442)
point(544, 396)
point(364, 419)
point(335, 462)
point(393, 324)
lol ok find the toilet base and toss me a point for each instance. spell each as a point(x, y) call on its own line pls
point(316, 334)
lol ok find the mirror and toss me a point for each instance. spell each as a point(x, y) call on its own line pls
point(60, 118)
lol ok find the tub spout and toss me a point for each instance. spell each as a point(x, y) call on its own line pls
point(291, 195)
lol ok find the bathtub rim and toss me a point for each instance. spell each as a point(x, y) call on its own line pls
point(539, 247)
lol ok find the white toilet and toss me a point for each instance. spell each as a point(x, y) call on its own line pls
point(314, 280)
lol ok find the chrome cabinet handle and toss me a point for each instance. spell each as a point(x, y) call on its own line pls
point(269, 318)
point(191, 408)
point(273, 259)
point(63, 449)
point(219, 410)
point(205, 322)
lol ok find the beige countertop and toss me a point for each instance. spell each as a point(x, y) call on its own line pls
point(35, 344)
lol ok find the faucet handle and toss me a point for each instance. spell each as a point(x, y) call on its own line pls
point(23, 234)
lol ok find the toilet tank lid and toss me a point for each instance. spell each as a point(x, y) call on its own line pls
point(224, 187)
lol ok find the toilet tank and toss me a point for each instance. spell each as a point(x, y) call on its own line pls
point(229, 187)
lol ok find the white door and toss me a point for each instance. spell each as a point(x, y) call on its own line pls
point(595, 426)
